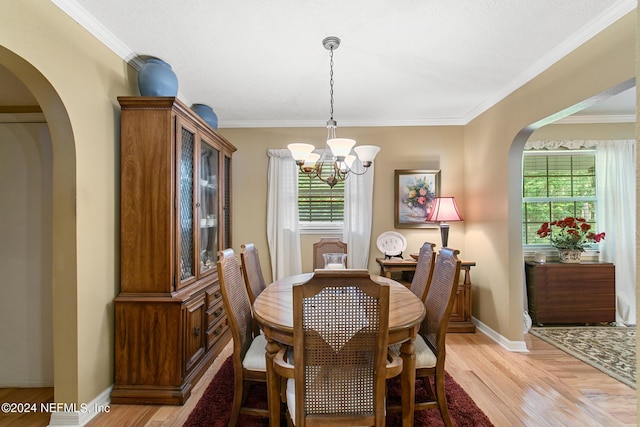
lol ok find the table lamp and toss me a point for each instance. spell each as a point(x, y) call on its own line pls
point(444, 209)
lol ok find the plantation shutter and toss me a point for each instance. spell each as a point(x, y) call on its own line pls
point(317, 202)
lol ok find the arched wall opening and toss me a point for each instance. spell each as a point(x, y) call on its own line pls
point(63, 224)
point(515, 172)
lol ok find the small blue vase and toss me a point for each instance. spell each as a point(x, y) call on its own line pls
point(207, 114)
point(156, 78)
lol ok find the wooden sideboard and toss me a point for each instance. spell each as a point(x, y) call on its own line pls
point(571, 293)
point(460, 320)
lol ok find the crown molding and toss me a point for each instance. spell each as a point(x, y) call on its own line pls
point(443, 121)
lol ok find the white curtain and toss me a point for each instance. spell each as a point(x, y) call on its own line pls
point(283, 232)
point(358, 212)
point(616, 213)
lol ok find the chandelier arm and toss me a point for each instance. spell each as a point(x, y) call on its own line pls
point(316, 172)
point(340, 174)
point(356, 173)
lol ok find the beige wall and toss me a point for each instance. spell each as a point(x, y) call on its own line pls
point(75, 79)
point(437, 147)
point(493, 150)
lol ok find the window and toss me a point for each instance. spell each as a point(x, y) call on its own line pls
point(320, 207)
point(557, 184)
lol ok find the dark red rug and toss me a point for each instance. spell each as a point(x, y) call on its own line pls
point(213, 409)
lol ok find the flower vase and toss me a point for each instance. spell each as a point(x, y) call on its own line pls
point(570, 256)
point(156, 78)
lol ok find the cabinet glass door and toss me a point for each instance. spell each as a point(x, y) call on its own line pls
point(185, 204)
point(208, 206)
point(227, 202)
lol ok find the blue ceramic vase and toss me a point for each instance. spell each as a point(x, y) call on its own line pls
point(207, 114)
point(156, 78)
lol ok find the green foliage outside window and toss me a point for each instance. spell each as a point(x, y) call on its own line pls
point(556, 185)
point(317, 202)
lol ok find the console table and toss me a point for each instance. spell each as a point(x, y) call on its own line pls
point(571, 293)
point(461, 315)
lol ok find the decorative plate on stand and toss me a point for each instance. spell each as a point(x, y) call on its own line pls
point(391, 244)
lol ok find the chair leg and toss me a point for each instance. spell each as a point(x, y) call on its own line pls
point(442, 399)
point(237, 401)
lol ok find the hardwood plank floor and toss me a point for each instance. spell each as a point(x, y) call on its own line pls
point(544, 387)
point(30, 396)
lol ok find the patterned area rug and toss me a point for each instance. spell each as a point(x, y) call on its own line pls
point(609, 349)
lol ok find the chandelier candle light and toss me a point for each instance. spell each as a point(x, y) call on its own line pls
point(444, 209)
point(312, 163)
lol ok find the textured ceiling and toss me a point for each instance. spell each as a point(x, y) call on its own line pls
point(407, 62)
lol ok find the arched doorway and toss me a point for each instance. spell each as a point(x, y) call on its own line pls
point(25, 188)
point(61, 263)
point(515, 168)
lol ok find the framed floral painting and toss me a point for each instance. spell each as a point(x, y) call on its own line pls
point(415, 191)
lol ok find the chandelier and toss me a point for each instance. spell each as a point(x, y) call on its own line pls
point(312, 163)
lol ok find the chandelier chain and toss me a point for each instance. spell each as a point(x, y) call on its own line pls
point(331, 82)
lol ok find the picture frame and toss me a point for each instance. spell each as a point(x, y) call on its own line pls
point(415, 191)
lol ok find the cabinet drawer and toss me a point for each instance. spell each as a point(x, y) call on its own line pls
point(214, 314)
point(215, 332)
point(214, 295)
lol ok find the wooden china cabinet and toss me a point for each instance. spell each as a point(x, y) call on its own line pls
point(175, 215)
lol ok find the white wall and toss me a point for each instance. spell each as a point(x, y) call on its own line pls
point(25, 255)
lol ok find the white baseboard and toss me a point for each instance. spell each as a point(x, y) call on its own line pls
point(514, 346)
point(76, 415)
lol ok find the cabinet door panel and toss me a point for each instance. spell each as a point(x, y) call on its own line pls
point(185, 204)
point(209, 206)
point(194, 330)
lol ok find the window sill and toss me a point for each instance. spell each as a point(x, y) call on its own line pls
point(321, 228)
point(528, 251)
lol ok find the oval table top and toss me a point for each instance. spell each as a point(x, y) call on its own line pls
point(274, 307)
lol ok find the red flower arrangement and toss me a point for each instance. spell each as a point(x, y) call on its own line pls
point(570, 233)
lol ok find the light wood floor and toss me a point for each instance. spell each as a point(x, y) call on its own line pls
point(544, 387)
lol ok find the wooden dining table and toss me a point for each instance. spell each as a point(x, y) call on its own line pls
point(273, 309)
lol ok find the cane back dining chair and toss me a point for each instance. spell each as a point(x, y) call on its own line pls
point(327, 245)
point(430, 342)
point(252, 271)
point(424, 271)
point(340, 366)
point(249, 363)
